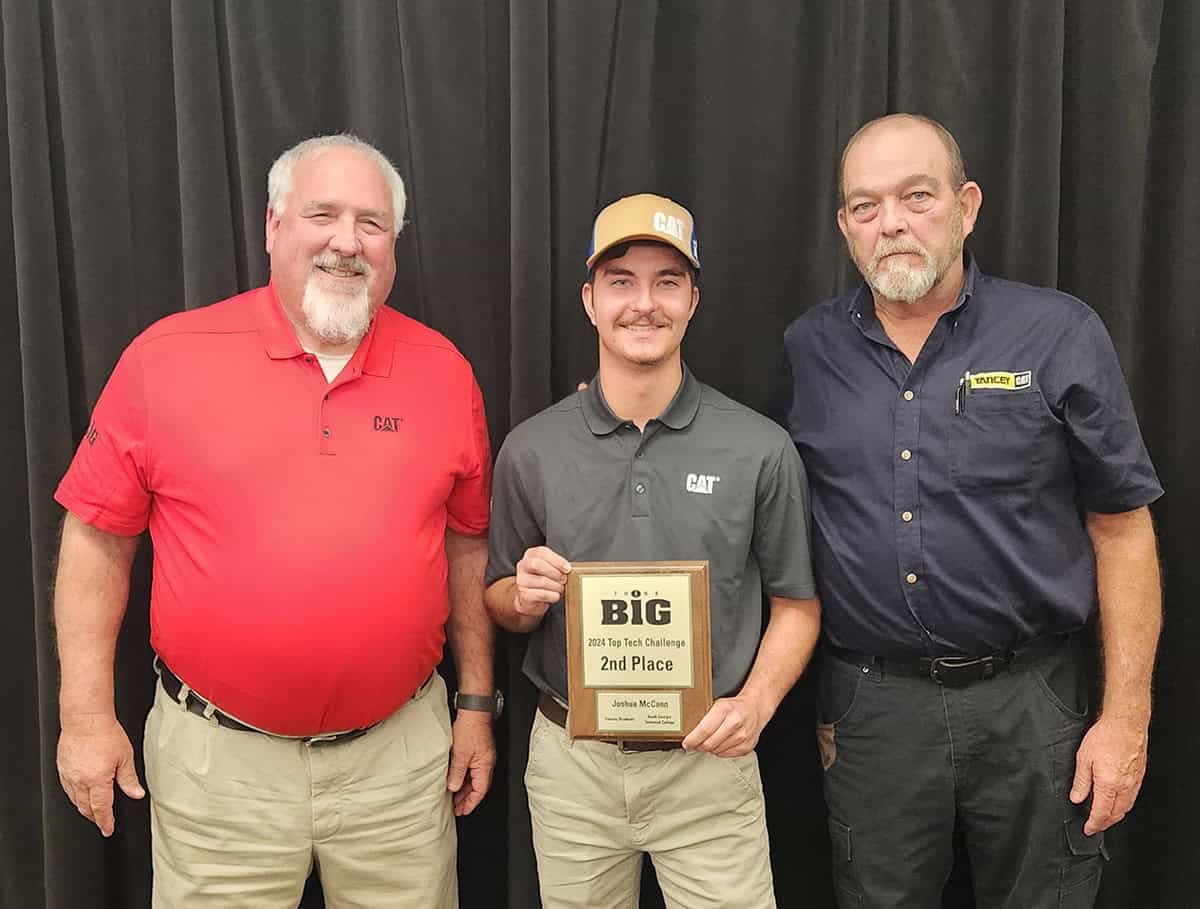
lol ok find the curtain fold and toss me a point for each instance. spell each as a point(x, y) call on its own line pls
point(137, 136)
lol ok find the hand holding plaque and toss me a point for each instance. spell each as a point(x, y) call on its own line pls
point(639, 663)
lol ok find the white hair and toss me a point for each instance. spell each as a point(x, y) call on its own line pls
point(279, 178)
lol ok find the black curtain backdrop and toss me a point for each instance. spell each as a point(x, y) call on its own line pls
point(137, 138)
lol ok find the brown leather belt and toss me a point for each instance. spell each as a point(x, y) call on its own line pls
point(556, 713)
point(193, 703)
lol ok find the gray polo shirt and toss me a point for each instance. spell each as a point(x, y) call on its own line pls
point(709, 479)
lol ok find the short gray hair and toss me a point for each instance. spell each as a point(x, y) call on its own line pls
point(958, 169)
point(279, 178)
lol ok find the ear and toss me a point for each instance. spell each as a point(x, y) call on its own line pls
point(695, 301)
point(841, 220)
point(272, 228)
point(970, 200)
point(586, 293)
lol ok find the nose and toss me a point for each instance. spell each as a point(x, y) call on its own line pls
point(892, 218)
point(643, 302)
point(344, 240)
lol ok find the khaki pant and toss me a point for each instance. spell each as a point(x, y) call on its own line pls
point(240, 818)
point(596, 809)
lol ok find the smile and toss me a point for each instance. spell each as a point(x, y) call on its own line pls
point(340, 272)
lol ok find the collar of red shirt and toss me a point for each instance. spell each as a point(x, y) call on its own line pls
point(373, 355)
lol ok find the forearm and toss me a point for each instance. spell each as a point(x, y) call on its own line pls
point(469, 630)
point(501, 600)
point(784, 651)
point(90, 594)
point(1130, 596)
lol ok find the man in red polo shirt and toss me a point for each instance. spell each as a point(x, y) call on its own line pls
point(314, 471)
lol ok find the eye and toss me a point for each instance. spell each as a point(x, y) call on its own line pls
point(373, 226)
point(919, 197)
point(321, 217)
point(669, 282)
point(862, 210)
point(620, 282)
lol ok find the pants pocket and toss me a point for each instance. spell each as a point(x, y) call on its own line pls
point(845, 881)
point(745, 772)
point(1082, 866)
point(837, 690)
point(1062, 678)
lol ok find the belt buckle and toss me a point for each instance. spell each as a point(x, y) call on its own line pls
point(955, 672)
point(321, 739)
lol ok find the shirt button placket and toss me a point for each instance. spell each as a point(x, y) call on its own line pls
point(325, 425)
point(640, 480)
point(908, 535)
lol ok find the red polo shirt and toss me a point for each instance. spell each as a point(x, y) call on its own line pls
point(299, 568)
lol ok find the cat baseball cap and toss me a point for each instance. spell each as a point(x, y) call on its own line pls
point(644, 217)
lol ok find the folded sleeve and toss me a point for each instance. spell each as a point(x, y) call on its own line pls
point(1113, 471)
point(467, 505)
point(107, 483)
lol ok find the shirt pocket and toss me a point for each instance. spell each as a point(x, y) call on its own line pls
point(994, 441)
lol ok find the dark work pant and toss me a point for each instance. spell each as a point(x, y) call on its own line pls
point(905, 758)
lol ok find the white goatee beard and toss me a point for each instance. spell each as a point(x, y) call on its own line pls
point(336, 318)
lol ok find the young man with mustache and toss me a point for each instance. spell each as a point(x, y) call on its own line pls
point(314, 470)
point(979, 489)
point(648, 463)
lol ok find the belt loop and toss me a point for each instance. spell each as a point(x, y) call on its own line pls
point(184, 691)
point(209, 710)
point(425, 686)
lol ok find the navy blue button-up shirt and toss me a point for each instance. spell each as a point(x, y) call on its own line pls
point(947, 493)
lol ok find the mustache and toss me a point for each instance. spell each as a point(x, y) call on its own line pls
point(652, 323)
point(356, 264)
point(889, 247)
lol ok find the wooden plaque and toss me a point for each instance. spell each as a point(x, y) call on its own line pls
point(639, 658)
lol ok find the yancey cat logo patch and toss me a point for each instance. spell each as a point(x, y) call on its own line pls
point(1004, 381)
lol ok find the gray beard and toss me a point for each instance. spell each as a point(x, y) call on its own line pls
point(903, 282)
point(906, 284)
point(336, 318)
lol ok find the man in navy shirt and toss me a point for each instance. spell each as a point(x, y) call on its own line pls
point(979, 486)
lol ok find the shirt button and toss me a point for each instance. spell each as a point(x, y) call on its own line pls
point(327, 432)
point(308, 359)
point(911, 578)
point(906, 516)
point(639, 455)
point(905, 455)
point(640, 488)
point(908, 396)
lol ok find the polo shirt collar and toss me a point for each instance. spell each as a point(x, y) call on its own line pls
point(274, 327)
point(684, 406)
point(678, 414)
point(861, 308)
point(279, 337)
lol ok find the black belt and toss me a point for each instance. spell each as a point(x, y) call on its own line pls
point(556, 713)
point(954, 671)
point(197, 705)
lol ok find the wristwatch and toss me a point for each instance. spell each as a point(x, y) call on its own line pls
point(487, 703)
